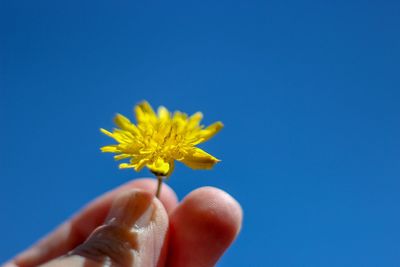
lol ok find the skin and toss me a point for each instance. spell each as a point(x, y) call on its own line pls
point(128, 226)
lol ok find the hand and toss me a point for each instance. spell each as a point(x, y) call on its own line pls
point(130, 227)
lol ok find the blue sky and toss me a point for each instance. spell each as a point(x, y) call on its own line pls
point(308, 92)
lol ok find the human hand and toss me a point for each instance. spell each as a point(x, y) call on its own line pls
point(129, 227)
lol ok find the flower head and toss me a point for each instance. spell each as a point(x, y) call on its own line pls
point(158, 139)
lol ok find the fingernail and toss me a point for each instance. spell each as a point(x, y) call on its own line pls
point(132, 210)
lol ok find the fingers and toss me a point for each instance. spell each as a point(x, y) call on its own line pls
point(75, 231)
point(202, 227)
point(134, 235)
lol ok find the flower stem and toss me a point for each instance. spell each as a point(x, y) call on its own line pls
point(159, 184)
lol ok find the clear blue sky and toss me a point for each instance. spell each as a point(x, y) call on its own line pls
point(309, 92)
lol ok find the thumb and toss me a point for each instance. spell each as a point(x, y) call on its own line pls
point(134, 234)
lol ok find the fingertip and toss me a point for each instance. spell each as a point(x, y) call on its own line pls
point(214, 209)
point(208, 220)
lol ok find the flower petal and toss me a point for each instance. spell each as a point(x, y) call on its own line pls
point(199, 159)
point(163, 113)
point(179, 117)
point(126, 166)
point(145, 113)
point(104, 131)
point(136, 163)
point(110, 148)
point(211, 130)
point(122, 136)
point(194, 120)
point(122, 156)
point(125, 124)
point(139, 162)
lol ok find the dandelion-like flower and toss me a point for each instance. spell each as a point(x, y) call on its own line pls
point(159, 139)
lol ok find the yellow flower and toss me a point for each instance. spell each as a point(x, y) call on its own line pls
point(159, 139)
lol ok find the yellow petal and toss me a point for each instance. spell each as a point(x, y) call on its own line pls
point(145, 113)
point(199, 159)
point(179, 116)
point(120, 136)
point(194, 120)
point(111, 148)
point(123, 136)
point(125, 124)
point(211, 130)
point(104, 131)
point(136, 163)
point(139, 163)
point(122, 156)
point(159, 167)
point(125, 166)
point(133, 148)
point(163, 113)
